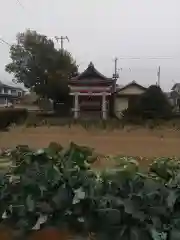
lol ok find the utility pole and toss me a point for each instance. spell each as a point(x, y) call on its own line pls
point(115, 68)
point(159, 76)
point(115, 75)
point(62, 40)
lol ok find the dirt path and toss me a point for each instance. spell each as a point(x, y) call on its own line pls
point(137, 142)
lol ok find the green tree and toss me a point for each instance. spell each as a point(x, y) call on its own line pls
point(153, 103)
point(40, 66)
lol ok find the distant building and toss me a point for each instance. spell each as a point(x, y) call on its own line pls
point(97, 96)
point(29, 101)
point(175, 97)
point(9, 94)
point(32, 102)
point(176, 88)
point(126, 96)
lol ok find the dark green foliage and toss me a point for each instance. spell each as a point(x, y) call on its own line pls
point(155, 104)
point(165, 168)
point(56, 187)
point(151, 104)
point(10, 115)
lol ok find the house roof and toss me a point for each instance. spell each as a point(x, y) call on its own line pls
point(91, 73)
point(8, 86)
point(119, 86)
point(175, 86)
point(133, 83)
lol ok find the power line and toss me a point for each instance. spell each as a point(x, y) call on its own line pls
point(143, 67)
point(18, 1)
point(3, 41)
point(149, 58)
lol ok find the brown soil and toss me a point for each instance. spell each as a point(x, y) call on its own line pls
point(50, 233)
point(134, 142)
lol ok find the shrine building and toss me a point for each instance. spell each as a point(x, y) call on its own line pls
point(92, 93)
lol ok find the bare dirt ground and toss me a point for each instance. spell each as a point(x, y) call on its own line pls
point(133, 142)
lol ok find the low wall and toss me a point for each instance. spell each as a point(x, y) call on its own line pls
point(28, 107)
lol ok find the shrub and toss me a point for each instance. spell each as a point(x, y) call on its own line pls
point(153, 104)
point(10, 115)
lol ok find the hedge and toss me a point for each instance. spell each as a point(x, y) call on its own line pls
point(11, 115)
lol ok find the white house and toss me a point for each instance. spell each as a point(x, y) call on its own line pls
point(126, 95)
point(9, 94)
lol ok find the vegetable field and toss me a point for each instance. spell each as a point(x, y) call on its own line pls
point(56, 188)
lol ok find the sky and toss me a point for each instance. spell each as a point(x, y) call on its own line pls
point(100, 30)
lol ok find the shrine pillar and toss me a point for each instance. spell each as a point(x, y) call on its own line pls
point(104, 107)
point(76, 106)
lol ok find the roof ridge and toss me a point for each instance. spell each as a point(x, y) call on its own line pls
point(128, 84)
point(2, 84)
point(91, 70)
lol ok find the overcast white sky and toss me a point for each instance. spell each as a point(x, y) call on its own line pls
point(99, 30)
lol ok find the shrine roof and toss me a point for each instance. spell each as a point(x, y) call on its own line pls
point(92, 74)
